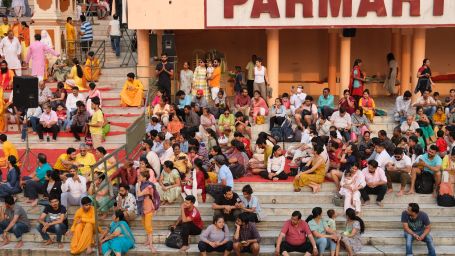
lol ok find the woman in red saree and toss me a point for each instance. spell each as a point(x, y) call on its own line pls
point(357, 81)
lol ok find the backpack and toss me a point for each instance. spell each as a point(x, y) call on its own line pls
point(156, 198)
point(445, 196)
point(283, 133)
point(424, 183)
point(174, 239)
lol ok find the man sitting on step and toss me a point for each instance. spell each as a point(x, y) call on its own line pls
point(417, 226)
point(53, 220)
point(14, 220)
point(228, 205)
point(376, 183)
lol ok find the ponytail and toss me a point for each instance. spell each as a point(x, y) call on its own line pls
point(80, 73)
point(350, 214)
point(362, 224)
point(317, 211)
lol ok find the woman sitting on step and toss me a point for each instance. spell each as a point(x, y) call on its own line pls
point(118, 239)
point(314, 173)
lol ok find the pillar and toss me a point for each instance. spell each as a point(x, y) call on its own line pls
point(159, 42)
point(143, 56)
point(332, 68)
point(396, 45)
point(273, 60)
point(405, 69)
point(345, 63)
point(418, 53)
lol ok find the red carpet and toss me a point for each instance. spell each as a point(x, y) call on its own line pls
point(67, 134)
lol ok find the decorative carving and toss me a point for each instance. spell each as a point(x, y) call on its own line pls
point(64, 5)
point(44, 4)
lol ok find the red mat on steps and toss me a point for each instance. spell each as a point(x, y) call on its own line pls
point(67, 134)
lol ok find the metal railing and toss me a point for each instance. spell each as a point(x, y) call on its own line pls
point(77, 49)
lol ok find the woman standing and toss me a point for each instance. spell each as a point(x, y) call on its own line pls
point(216, 238)
point(145, 206)
point(200, 79)
point(119, 239)
point(315, 173)
point(351, 238)
point(392, 72)
point(357, 80)
point(186, 78)
point(275, 166)
point(424, 75)
point(351, 182)
point(170, 184)
point(261, 78)
point(258, 106)
point(96, 123)
point(324, 236)
point(12, 184)
point(368, 105)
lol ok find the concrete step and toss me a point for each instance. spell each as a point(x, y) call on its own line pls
point(36, 249)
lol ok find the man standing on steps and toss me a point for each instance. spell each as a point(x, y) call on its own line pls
point(417, 226)
point(10, 50)
point(86, 34)
point(115, 34)
point(164, 72)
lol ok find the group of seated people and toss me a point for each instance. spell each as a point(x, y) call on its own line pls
point(194, 148)
point(76, 75)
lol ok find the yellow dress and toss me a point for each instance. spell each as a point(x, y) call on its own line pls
point(83, 231)
point(79, 81)
point(8, 150)
point(317, 176)
point(132, 93)
point(4, 30)
point(70, 39)
point(369, 113)
point(92, 70)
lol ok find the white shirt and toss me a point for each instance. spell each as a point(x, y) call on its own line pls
point(383, 159)
point(259, 75)
point(402, 105)
point(298, 99)
point(154, 161)
point(403, 163)
point(406, 127)
point(276, 164)
point(167, 155)
point(378, 175)
point(75, 188)
point(71, 100)
point(341, 121)
point(11, 49)
point(115, 28)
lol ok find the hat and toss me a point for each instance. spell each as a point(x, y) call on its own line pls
point(200, 92)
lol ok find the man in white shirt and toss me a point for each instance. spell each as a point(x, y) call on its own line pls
point(398, 170)
point(376, 183)
point(342, 121)
point(402, 107)
point(126, 202)
point(10, 50)
point(427, 103)
point(297, 98)
point(409, 127)
point(71, 100)
point(152, 157)
point(114, 33)
point(382, 157)
point(167, 153)
point(74, 188)
point(48, 123)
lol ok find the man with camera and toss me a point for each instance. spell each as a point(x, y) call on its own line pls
point(74, 187)
point(342, 121)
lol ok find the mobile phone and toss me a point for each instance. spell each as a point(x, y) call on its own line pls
point(69, 175)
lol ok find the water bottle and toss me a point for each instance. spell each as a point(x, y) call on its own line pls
point(47, 137)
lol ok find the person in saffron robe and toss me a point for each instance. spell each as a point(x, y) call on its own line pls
point(6, 78)
point(83, 227)
point(3, 117)
point(92, 69)
point(24, 37)
point(70, 38)
point(37, 54)
point(76, 76)
point(9, 149)
point(132, 92)
point(10, 50)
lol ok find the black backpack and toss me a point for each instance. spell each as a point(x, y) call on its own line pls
point(446, 200)
point(284, 132)
point(424, 183)
point(174, 240)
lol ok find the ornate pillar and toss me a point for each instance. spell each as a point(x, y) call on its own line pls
point(418, 53)
point(405, 69)
point(332, 68)
point(143, 56)
point(345, 63)
point(273, 60)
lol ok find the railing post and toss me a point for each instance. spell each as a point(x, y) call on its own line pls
point(97, 237)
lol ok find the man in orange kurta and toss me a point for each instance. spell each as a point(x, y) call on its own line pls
point(132, 92)
point(83, 227)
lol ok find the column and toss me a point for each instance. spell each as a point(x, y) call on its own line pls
point(332, 68)
point(405, 69)
point(159, 42)
point(418, 54)
point(396, 45)
point(143, 56)
point(273, 60)
point(345, 63)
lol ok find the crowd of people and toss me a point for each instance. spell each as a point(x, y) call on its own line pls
point(202, 142)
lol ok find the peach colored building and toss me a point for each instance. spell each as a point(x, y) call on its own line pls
point(301, 40)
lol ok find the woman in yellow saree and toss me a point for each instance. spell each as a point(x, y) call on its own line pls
point(132, 92)
point(2, 111)
point(76, 77)
point(92, 69)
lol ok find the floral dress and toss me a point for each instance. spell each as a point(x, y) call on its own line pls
point(354, 242)
point(200, 81)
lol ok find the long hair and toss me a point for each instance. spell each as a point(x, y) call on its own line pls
point(350, 213)
point(200, 166)
point(357, 62)
point(275, 148)
point(80, 72)
point(317, 211)
point(13, 161)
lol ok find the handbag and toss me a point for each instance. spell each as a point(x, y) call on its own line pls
point(174, 239)
point(260, 120)
point(338, 200)
point(424, 183)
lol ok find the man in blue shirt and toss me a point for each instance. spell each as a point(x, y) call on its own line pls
point(225, 177)
point(182, 100)
point(86, 34)
point(325, 103)
point(429, 162)
point(417, 226)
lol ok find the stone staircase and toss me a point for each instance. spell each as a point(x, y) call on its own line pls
point(383, 235)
